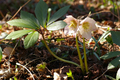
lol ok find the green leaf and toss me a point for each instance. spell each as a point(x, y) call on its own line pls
point(22, 23)
point(31, 39)
point(56, 25)
point(104, 35)
point(96, 44)
point(0, 53)
point(110, 55)
point(42, 65)
point(59, 39)
point(111, 78)
point(69, 74)
point(114, 63)
point(109, 40)
point(96, 55)
point(116, 37)
point(15, 78)
point(58, 14)
point(17, 34)
point(41, 12)
point(118, 74)
point(30, 17)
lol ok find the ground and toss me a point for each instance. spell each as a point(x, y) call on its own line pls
point(24, 63)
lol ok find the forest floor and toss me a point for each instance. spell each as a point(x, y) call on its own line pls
point(64, 46)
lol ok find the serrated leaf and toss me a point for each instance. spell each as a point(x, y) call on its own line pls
point(118, 74)
point(114, 63)
point(110, 55)
point(30, 17)
point(58, 14)
point(31, 39)
point(56, 26)
point(0, 53)
point(116, 37)
point(25, 23)
point(17, 34)
point(41, 12)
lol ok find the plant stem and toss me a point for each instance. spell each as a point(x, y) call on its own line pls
point(85, 57)
point(80, 58)
point(73, 78)
point(57, 56)
point(48, 18)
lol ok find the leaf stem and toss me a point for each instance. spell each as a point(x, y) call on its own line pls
point(48, 18)
point(57, 56)
point(80, 58)
point(85, 57)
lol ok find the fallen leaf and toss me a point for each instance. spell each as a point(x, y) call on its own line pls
point(8, 51)
point(59, 76)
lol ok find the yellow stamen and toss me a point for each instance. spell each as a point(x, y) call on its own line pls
point(73, 24)
point(85, 25)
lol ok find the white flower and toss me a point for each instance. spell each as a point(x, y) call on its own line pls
point(72, 26)
point(86, 26)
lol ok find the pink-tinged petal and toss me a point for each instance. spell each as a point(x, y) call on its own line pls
point(72, 26)
point(86, 35)
point(91, 23)
point(69, 18)
point(66, 30)
point(87, 25)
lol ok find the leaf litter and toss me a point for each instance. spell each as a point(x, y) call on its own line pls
point(38, 55)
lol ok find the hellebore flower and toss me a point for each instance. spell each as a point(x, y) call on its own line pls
point(86, 26)
point(72, 26)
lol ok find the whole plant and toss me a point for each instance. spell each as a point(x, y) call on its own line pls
point(32, 28)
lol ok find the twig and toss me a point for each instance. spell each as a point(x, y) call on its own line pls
point(100, 75)
point(32, 61)
point(20, 9)
point(26, 69)
point(1, 14)
point(12, 54)
point(92, 66)
point(92, 14)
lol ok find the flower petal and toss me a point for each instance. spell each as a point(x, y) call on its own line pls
point(87, 35)
point(66, 29)
point(87, 25)
point(72, 25)
point(69, 18)
point(91, 23)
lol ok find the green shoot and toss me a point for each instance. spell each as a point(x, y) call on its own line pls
point(69, 74)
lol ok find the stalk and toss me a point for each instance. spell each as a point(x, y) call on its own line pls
point(80, 58)
point(85, 57)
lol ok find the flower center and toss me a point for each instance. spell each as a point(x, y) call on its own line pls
point(85, 25)
point(73, 24)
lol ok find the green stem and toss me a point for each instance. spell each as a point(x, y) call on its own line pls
point(80, 58)
point(73, 78)
point(85, 57)
point(48, 18)
point(57, 56)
